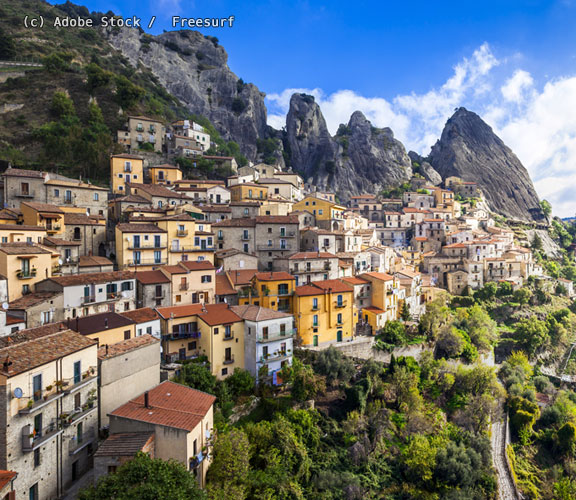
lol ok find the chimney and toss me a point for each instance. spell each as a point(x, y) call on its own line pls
point(146, 400)
point(7, 364)
point(106, 349)
point(77, 323)
point(105, 322)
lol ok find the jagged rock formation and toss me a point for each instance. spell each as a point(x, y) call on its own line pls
point(194, 68)
point(360, 158)
point(469, 149)
point(425, 169)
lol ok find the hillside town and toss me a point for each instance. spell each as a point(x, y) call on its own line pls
point(107, 291)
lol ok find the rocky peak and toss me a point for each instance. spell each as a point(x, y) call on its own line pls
point(468, 148)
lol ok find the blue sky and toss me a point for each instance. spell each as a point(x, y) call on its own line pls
point(407, 65)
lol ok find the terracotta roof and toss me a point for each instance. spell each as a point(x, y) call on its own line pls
point(312, 255)
point(179, 311)
point(43, 207)
point(133, 198)
point(91, 278)
point(32, 299)
point(318, 288)
point(20, 172)
point(230, 252)
point(218, 314)
point(274, 276)
point(165, 166)
point(170, 405)
point(151, 277)
point(175, 269)
point(240, 277)
point(6, 214)
point(224, 286)
point(59, 242)
point(456, 245)
point(249, 184)
point(197, 265)
point(257, 313)
point(81, 219)
point(277, 219)
point(353, 280)
point(112, 350)
point(242, 222)
point(156, 190)
point(245, 204)
point(29, 354)
point(124, 444)
point(127, 227)
point(22, 248)
point(215, 208)
point(87, 325)
point(94, 260)
point(5, 477)
point(30, 334)
point(379, 276)
point(141, 315)
point(373, 309)
point(126, 155)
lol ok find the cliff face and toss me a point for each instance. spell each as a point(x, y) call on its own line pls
point(469, 149)
point(194, 69)
point(360, 158)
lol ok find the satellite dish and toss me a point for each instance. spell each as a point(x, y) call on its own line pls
point(18, 393)
point(5, 305)
point(60, 262)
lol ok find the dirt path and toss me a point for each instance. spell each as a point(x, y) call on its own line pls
point(506, 490)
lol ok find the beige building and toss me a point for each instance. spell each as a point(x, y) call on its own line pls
point(192, 282)
point(140, 131)
point(181, 419)
point(48, 381)
point(127, 369)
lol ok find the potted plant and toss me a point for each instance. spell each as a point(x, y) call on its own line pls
point(30, 403)
point(37, 394)
point(58, 384)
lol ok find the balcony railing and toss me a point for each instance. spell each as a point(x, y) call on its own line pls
point(34, 438)
point(127, 169)
point(288, 234)
point(245, 237)
point(147, 246)
point(26, 275)
point(77, 443)
point(229, 361)
point(25, 194)
point(53, 229)
point(277, 356)
point(181, 232)
point(274, 246)
point(88, 299)
point(183, 286)
point(147, 262)
point(271, 337)
point(68, 201)
point(340, 304)
point(228, 337)
point(186, 334)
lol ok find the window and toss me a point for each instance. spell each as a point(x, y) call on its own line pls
point(77, 372)
point(227, 332)
point(315, 320)
point(314, 303)
point(4, 239)
point(37, 387)
point(224, 371)
point(37, 457)
point(192, 346)
point(33, 492)
point(245, 247)
point(126, 334)
point(339, 318)
point(56, 193)
point(339, 300)
point(95, 196)
point(157, 241)
point(216, 331)
point(265, 333)
point(128, 285)
point(157, 256)
point(206, 279)
point(320, 211)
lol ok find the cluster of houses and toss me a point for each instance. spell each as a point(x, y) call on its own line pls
point(105, 292)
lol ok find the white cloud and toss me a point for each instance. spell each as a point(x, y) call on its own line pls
point(536, 123)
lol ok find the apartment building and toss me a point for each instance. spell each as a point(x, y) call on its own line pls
point(165, 174)
point(309, 266)
point(191, 282)
point(272, 290)
point(141, 131)
point(48, 384)
point(141, 246)
point(125, 169)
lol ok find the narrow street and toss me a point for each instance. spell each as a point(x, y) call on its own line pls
point(506, 489)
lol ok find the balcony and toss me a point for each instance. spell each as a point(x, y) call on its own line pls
point(26, 275)
point(185, 334)
point(245, 237)
point(274, 247)
point(73, 384)
point(113, 295)
point(228, 337)
point(196, 460)
point(140, 128)
point(68, 201)
point(277, 356)
point(53, 229)
point(159, 297)
point(288, 234)
point(339, 305)
point(181, 233)
point(147, 262)
point(78, 443)
point(88, 299)
point(229, 361)
point(33, 439)
point(271, 337)
point(183, 286)
point(46, 397)
point(127, 169)
point(25, 194)
point(147, 246)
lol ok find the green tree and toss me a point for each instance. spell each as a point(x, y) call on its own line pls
point(7, 46)
point(62, 106)
point(127, 93)
point(228, 473)
point(437, 315)
point(305, 384)
point(144, 478)
point(334, 365)
point(450, 343)
point(419, 458)
point(97, 76)
point(536, 243)
point(522, 296)
point(531, 333)
point(567, 438)
point(546, 208)
point(405, 313)
point(241, 382)
point(58, 62)
point(198, 377)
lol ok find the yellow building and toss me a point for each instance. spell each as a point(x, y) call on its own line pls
point(211, 330)
point(165, 174)
point(125, 168)
point(48, 216)
point(16, 233)
point(248, 191)
point(276, 206)
point(328, 214)
point(324, 312)
point(107, 328)
point(272, 290)
point(385, 304)
point(192, 282)
point(141, 246)
point(24, 265)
